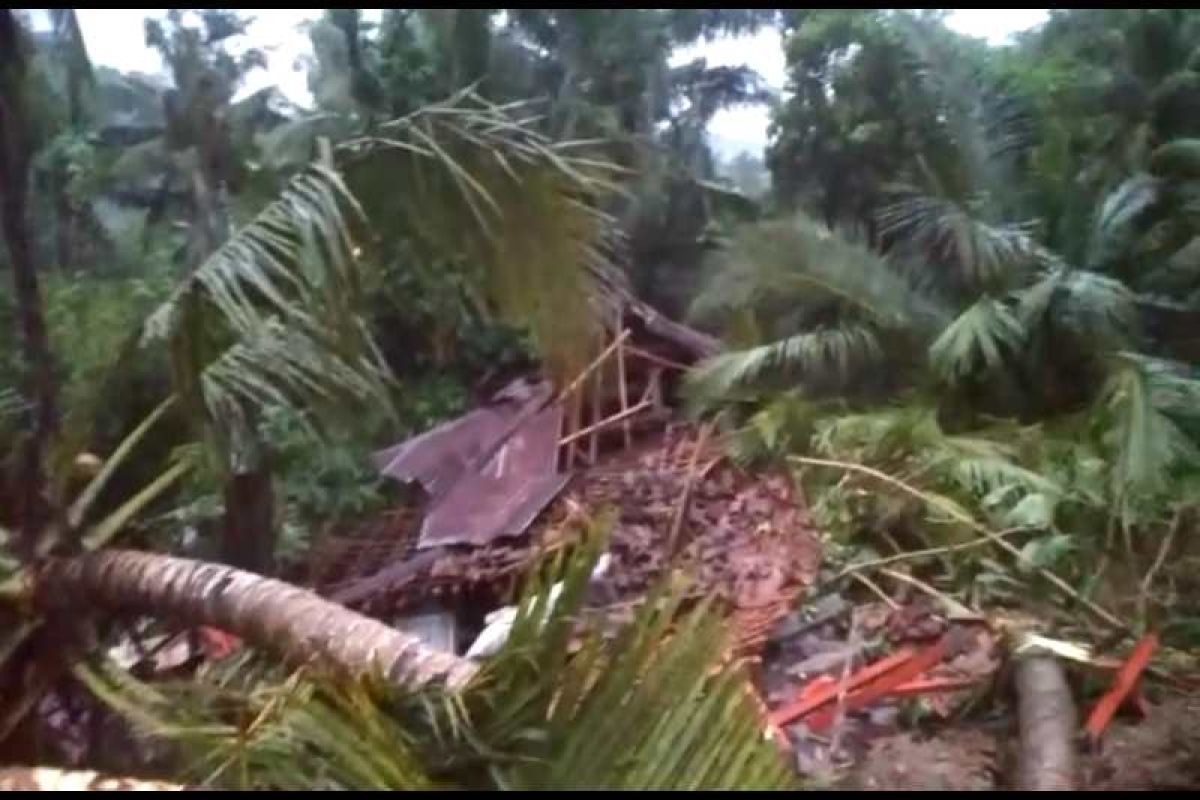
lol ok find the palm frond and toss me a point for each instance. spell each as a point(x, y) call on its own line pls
point(290, 368)
point(980, 255)
point(775, 268)
point(982, 469)
point(1143, 399)
point(979, 339)
point(878, 437)
point(824, 358)
point(1089, 305)
point(983, 126)
point(474, 181)
point(1114, 227)
point(989, 469)
point(272, 314)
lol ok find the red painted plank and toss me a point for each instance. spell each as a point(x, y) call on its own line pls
point(882, 685)
point(1124, 682)
point(822, 690)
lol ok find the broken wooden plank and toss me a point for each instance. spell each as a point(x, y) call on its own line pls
point(593, 441)
point(883, 684)
point(810, 699)
point(623, 381)
point(604, 423)
point(689, 484)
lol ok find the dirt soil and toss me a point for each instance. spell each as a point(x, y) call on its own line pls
point(1160, 752)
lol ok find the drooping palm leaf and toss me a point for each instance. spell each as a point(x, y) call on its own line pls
point(1145, 397)
point(825, 309)
point(1114, 226)
point(979, 339)
point(774, 267)
point(1091, 306)
point(978, 255)
point(474, 181)
point(271, 316)
point(825, 357)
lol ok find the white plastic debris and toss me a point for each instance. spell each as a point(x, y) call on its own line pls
point(499, 623)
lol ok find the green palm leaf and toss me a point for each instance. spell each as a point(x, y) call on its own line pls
point(979, 255)
point(271, 316)
point(1144, 398)
point(1114, 229)
point(979, 339)
point(826, 357)
point(774, 268)
point(1091, 306)
point(474, 181)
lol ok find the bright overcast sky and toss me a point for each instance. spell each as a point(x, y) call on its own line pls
point(115, 38)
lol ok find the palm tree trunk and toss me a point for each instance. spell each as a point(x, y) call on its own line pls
point(14, 185)
point(293, 623)
point(52, 779)
point(248, 533)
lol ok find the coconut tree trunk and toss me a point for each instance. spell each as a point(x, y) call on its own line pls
point(248, 533)
point(14, 184)
point(294, 624)
point(52, 779)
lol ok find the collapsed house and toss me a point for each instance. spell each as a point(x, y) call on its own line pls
point(502, 481)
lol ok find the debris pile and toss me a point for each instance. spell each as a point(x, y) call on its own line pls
point(504, 483)
point(742, 539)
point(836, 676)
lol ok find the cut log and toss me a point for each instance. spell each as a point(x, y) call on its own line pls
point(1046, 710)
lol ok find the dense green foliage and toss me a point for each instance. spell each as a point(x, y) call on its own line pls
point(983, 285)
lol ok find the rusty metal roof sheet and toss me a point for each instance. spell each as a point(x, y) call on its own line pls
point(440, 457)
point(504, 497)
point(474, 502)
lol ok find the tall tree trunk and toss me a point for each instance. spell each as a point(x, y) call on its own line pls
point(248, 536)
point(14, 186)
point(293, 623)
point(64, 226)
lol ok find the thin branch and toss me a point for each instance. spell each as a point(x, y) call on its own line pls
point(1148, 580)
point(927, 553)
point(874, 587)
point(955, 607)
point(693, 476)
point(1098, 611)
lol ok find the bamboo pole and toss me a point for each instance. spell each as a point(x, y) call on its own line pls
point(622, 380)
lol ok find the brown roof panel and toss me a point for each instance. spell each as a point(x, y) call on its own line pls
point(504, 497)
point(439, 457)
